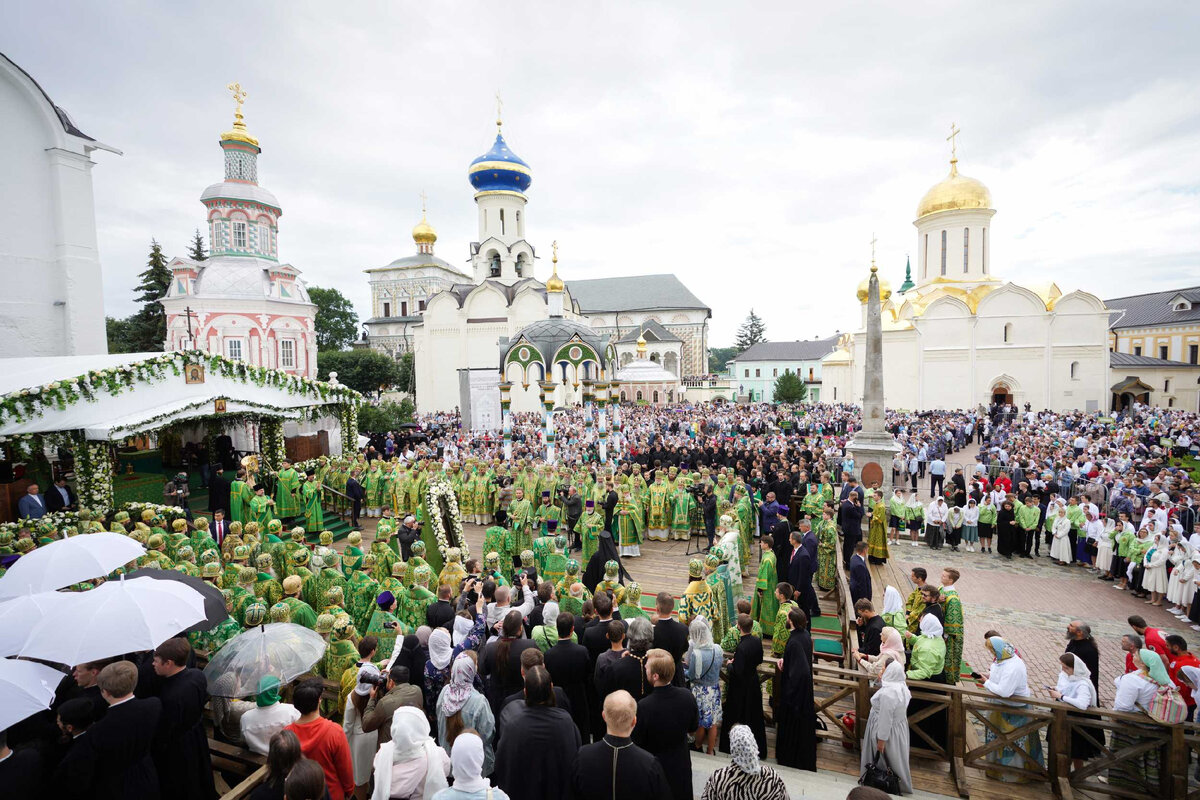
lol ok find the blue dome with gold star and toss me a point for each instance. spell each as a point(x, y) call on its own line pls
point(500, 170)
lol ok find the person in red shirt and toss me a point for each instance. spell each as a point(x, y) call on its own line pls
point(1179, 657)
point(323, 740)
point(1003, 482)
point(1151, 636)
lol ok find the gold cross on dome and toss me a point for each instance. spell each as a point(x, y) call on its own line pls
point(423, 198)
point(873, 241)
point(239, 95)
point(499, 107)
point(554, 248)
point(954, 131)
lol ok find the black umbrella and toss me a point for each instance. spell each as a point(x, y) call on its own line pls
point(214, 601)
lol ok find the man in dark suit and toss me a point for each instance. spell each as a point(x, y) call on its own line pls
point(61, 497)
point(218, 490)
point(851, 514)
point(860, 575)
point(32, 505)
point(219, 527)
point(781, 533)
point(408, 532)
point(870, 628)
point(356, 493)
point(440, 613)
point(567, 663)
point(670, 634)
point(800, 571)
point(573, 507)
point(74, 718)
point(808, 539)
point(180, 747)
point(121, 765)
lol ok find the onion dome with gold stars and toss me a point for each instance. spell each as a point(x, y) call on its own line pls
point(500, 170)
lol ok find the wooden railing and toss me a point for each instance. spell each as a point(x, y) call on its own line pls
point(973, 736)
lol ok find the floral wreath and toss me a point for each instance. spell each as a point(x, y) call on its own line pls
point(439, 487)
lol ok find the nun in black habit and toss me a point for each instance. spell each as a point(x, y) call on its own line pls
point(606, 551)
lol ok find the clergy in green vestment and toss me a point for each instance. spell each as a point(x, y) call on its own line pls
point(287, 491)
point(682, 504)
point(261, 507)
point(310, 495)
point(240, 494)
point(589, 526)
point(520, 518)
point(627, 521)
point(764, 604)
point(385, 625)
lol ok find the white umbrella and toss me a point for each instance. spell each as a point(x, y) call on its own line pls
point(123, 616)
point(19, 615)
point(68, 561)
point(26, 688)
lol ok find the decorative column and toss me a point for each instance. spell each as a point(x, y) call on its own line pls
point(601, 395)
point(873, 447)
point(547, 392)
point(506, 417)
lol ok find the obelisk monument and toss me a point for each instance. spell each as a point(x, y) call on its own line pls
point(873, 447)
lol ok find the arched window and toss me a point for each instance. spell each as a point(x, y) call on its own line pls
point(1074, 370)
point(656, 396)
point(494, 269)
point(519, 231)
point(502, 222)
point(622, 397)
point(639, 395)
point(966, 246)
point(943, 253)
point(1008, 333)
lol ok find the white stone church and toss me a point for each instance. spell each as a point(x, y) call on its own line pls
point(961, 336)
point(459, 326)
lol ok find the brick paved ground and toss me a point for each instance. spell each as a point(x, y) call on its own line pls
point(1030, 602)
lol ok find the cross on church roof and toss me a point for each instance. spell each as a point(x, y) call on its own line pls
point(954, 131)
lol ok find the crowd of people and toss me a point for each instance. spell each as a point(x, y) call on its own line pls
point(530, 673)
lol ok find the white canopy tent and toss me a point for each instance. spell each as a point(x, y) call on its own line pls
point(147, 400)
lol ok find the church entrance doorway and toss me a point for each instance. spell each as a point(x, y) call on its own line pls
point(1001, 394)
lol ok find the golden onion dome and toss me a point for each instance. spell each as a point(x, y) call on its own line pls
point(954, 192)
point(424, 233)
point(885, 290)
point(555, 283)
point(238, 133)
point(641, 346)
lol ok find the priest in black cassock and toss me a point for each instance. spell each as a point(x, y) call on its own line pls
point(534, 763)
point(180, 747)
point(743, 693)
point(218, 490)
point(615, 766)
point(665, 718)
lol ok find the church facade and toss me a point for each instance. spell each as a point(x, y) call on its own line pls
point(961, 336)
point(463, 338)
point(241, 301)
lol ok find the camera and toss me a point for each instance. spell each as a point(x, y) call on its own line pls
point(374, 680)
point(391, 624)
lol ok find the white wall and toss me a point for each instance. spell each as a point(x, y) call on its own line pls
point(48, 253)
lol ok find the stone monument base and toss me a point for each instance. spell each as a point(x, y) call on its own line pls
point(872, 453)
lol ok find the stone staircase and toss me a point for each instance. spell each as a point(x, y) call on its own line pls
point(823, 784)
point(338, 526)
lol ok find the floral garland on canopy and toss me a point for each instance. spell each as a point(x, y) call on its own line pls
point(26, 404)
point(271, 443)
point(64, 521)
point(94, 470)
point(439, 488)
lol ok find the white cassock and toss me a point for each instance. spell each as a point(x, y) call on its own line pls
point(729, 546)
point(1155, 577)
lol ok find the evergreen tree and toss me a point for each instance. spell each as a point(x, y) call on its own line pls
point(196, 248)
point(789, 388)
point(750, 332)
point(150, 324)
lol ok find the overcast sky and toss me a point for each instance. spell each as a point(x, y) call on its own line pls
point(751, 149)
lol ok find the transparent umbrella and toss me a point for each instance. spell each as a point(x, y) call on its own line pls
point(26, 688)
point(123, 616)
point(282, 649)
point(67, 562)
point(20, 615)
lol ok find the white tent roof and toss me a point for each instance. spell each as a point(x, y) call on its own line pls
point(146, 404)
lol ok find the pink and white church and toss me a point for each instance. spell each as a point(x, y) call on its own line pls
point(241, 301)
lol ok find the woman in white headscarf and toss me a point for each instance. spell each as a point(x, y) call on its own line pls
point(887, 726)
point(1075, 687)
point(893, 609)
point(1154, 579)
point(411, 765)
point(467, 767)
point(745, 777)
point(1181, 583)
point(1060, 527)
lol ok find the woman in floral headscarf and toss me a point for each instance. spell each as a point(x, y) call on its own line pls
point(745, 777)
point(1135, 690)
point(461, 706)
point(1008, 680)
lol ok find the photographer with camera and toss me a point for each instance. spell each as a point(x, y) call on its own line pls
point(573, 509)
point(389, 693)
point(176, 491)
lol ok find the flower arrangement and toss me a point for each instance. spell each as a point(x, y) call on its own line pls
point(348, 414)
point(270, 431)
point(94, 470)
point(438, 489)
point(61, 520)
